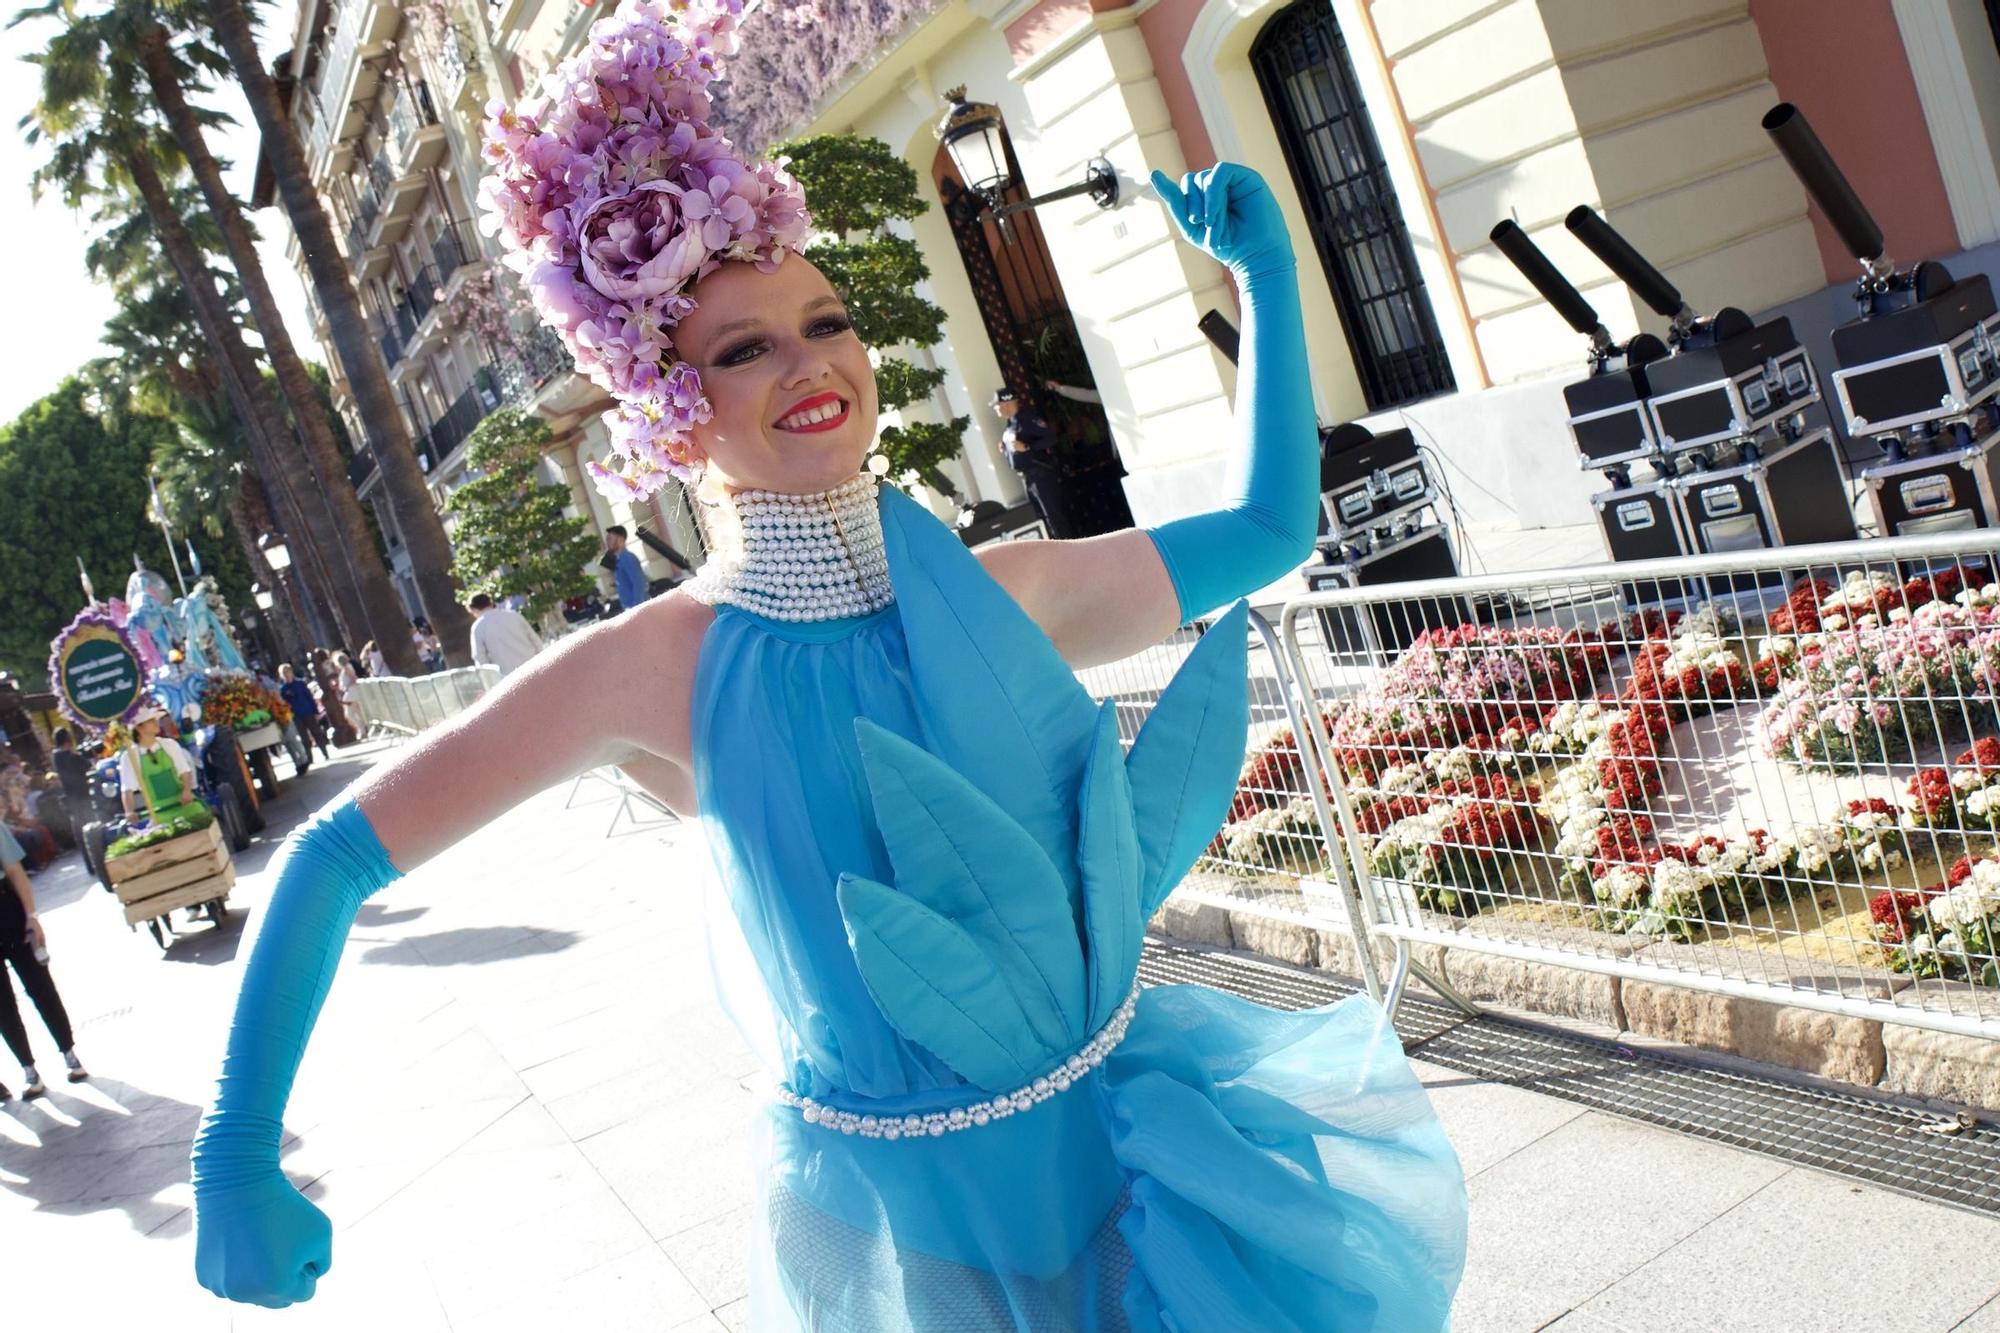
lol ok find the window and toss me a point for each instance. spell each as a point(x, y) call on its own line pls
point(1357, 225)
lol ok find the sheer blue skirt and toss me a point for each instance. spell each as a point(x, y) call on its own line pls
point(1229, 1167)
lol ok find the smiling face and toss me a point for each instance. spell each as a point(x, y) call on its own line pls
point(790, 384)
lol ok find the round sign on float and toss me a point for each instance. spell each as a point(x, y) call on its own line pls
point(98, 673)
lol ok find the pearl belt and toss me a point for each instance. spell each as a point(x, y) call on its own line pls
point(936, 1124)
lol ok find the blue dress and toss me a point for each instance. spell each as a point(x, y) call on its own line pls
point(939, 861)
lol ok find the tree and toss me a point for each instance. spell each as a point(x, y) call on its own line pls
point(104, 146)
point(360, 358)
point(510, 531)
point(167, 70)
point(71, 487)
point(165, 366)
point(858, 186)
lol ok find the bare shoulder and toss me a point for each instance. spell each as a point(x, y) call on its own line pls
point(647, 660)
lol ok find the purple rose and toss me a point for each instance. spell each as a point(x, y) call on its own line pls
point(637, 245)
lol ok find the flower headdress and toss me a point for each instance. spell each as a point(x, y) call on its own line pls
point(613, 195)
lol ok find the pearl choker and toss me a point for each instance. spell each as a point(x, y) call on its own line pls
point(803, 557)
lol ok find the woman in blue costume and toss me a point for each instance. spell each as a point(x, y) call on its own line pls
point(940, 862)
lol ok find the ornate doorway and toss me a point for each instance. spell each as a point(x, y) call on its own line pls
point(1034, 338)
point(1357, 225)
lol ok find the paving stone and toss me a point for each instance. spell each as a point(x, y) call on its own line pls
point(715, 1255)
point(1562, 992)
point(1490, 1122)
point(1583, 1206)
point(1832, 1046)
point(1194, 923)
point(1836, 1239)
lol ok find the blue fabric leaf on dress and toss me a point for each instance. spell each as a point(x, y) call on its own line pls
point(1184, 764)
point(938, 986)
point(959, 854)
point(1108, 856)
point(999, 703)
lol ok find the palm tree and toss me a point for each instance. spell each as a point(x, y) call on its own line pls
point(168, 360)
point(360, 357)
point(89, 67)
point(163, 367)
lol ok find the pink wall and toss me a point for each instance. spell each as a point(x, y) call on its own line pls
point(1852, 79)
point(1165, 28)
point(1035, 31)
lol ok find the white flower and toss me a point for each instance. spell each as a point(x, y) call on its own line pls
point(1969, 904)
point(1623, 887)
point(1677, 887)
point(1920, 946)
point(1982, 802)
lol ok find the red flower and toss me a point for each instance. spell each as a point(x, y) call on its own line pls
point(1893, 913)
point(1930, 792)
point(1984, 755)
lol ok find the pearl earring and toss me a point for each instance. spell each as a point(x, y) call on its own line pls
point(879, 464)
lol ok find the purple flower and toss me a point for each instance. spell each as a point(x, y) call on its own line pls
point(640, 245)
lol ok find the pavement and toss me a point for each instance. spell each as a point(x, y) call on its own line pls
point(523, 1109)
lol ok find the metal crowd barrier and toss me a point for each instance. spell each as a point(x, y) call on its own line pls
point(1769, 774)
point(407, 705)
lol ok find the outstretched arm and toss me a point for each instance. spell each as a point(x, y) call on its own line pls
point(1106, 597)
point(574, 708)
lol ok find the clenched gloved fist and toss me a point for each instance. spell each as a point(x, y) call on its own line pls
point(261, 1242)
point(1229, 214)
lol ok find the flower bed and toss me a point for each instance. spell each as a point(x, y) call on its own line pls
point(1948, 930)
point(1535, 766)
point(1862, 676)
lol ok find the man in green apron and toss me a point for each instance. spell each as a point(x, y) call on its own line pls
point(155, 770)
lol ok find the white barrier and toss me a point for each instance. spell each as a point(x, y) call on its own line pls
point(406, 705)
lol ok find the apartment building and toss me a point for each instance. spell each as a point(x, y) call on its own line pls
point(388, 103)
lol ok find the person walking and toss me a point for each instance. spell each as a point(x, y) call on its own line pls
point(346, 680)
point(626, 571)
point(501, 638)
point(372, 660)
point(327, 677)
point(24, 946)
point(298, 696)
point(429, 650)
point(72, 772)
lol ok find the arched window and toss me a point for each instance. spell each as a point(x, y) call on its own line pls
point(1357, 225)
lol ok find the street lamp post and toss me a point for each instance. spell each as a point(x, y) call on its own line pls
point(279, 557)
point(975, 136)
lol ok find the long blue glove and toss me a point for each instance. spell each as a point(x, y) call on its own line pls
point(1267, 525)
point(256, 1238)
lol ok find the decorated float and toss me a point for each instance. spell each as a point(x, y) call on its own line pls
point(183, 722)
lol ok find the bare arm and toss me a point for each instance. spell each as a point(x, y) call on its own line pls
point(616, 693)
point(1098, 599)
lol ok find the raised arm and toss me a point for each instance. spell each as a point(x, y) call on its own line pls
point(613, 693)
point(1106, 597)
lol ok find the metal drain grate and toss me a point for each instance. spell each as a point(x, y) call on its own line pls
point(1860, 1138)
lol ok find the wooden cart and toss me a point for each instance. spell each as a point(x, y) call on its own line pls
point(193, 870)
point(260, 746)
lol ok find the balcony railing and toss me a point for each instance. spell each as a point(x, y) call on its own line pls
point(466, 411)
point(454, 248)
point(360, 468)
point(450, 60)
point(410, 112)
point(391, 342)
point(539, 359)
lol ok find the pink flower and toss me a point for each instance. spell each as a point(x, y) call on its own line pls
point(640, 245)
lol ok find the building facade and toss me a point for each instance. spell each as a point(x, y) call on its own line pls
point(388, 103)
point(1394, 133)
